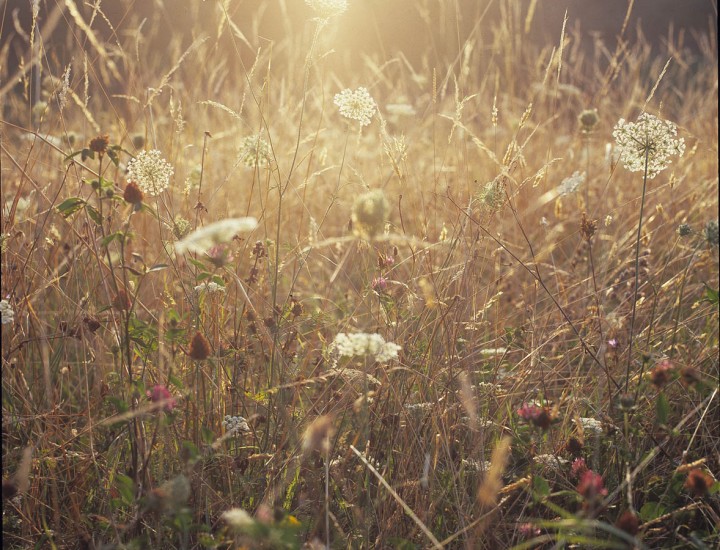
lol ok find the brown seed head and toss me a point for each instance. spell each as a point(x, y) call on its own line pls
point(628, 522)
point(587, 227)
point(122, 301)
point(100, 144)
point(698, 482)
point(199, 347)
point(133, 194)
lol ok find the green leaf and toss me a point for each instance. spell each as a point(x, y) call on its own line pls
point(86, 154)
point(69, 206)
point(113, 156)
point(94, 214)
point(662, 408)
point(711, 295)
point(541, 488)
point(126, 488)
point(119, 235)
point(651, 510)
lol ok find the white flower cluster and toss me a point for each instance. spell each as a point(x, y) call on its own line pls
point(254, 152)
point(236, 424)
point(651, 137)
point(210, 287)
point(325, 9)
point(356, 105)
point(150, 171)
point(361, 344)
point(418, 407)
point(550, 461)
point(476, 465)
point(6, 312)
point(237, 518)
point(592, 426)
point(204, 238)
point(571, 184)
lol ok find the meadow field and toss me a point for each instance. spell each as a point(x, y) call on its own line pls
point(357, 274)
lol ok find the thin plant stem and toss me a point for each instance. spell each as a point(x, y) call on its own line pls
point(637, 270)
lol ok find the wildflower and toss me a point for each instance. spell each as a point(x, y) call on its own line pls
point(150, 171)
point(613, 343)
point(591, 425)
point(219, 255)
point(712, 233)
point(572, 183)
point(550, 461)
point(325, 9)
point(235, 424)
point(578, 468)
point(528, 530)
point(588, 119)
point(379, 284)
point(99, 144)
point(649, 138)
point(199, 347)
point(237, 518)
point(699, 482)
point(587, 227)
point(210, 287)
point(201, 240)
point(254, 152)
point(591, 486)
point(536, 415)
point(369, 213)
point(6, 312)
point(357, 105)
point(160, 393)
point(362, 344)
point(628, 522)
point(662, 374)
point(181, 227)
point(133, 194)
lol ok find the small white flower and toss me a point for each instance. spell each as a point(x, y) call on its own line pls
point(325, 9)
point(361, 344)
point(254, 152)
point(571, 184)
point(237, 518)
point(235, 423)
point(472, 464)
point(204, 238)
point(210, 287)
point(551, 461)
point(591, 425)
point(6, 312)
point(356, 105)
point(649, 138)
point(150, 171)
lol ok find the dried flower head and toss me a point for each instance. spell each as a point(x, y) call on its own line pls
point(369, 214)
point(325, 9)
point(121, 301)
point(160, 394)
point(587, 227)
point(662, 373)
point(100, 144)
point(150, 171)
point(628, 522)
point(574, 446)
point(199, 347)
point(588, 119)
point(684, 230)
point(7, 315)
point(203, 239)
point(356, 105)
point(649, 138)
point(254, 152)
point(133, 194)
point(698, 482)
point(536, 415)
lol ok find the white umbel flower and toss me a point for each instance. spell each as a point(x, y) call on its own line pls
point(651, 138)
point(7, 314)
point(361, 344)
point(203, 239)
point(150, 171)
point(571, 184)
point(356, 105)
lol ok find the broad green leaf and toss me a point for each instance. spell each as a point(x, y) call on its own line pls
point(94, 214)
point(69, 206)
point(126, 488)
point(541, 488)
point(662, 408)
point(651, 510)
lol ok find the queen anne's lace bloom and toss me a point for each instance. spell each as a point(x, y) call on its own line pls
point(649, 137)
point(203, 239)
point(357, 105)
point(361, 344)
point(150, 171)
point(254, 152)
point(325, 9)
point(571, 184)
point(6, 312)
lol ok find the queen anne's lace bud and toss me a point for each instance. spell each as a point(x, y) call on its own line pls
point(150, 171)
point(651, 138)
point(357, 105)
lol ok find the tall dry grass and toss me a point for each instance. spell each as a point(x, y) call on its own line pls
point(500, 291)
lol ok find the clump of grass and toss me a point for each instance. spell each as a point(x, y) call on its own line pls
point(226, 323)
